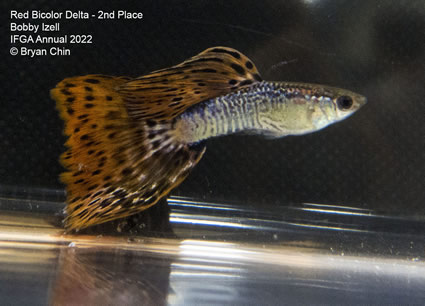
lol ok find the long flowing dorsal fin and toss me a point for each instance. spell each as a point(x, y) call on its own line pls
point(166, 93)
point(116, 166)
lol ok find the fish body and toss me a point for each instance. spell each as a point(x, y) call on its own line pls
point(273, 109)
point(132, 140)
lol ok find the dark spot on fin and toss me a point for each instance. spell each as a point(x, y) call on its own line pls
point(91, 81)
point(207, 70)
point(66, 92)
point(233, 53)
point(238, 69)
point(246, 82)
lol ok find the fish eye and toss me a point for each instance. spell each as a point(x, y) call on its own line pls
point(344, 102)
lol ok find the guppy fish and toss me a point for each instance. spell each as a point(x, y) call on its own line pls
point(132, 140)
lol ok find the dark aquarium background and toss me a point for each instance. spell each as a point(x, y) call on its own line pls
point(374, 159)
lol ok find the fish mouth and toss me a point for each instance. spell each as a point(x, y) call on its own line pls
point(359, 100)
point(362, 100)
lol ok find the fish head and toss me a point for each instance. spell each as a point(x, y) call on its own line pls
point(330, 105)
point(346, 102)
point(301, 108)
point(324, 105)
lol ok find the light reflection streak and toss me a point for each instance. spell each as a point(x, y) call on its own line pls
point(27, 237)
point(334, 228)
point(336, 206)
point(190, 203)
point(338, 212)
point(209, 261)
point(203, 274)
point(205, 267)
point(210, 249)
point(180, 218)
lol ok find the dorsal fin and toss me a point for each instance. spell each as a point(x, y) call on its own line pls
point(166, 93)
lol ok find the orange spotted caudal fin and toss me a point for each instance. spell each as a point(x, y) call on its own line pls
point(122, 155)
